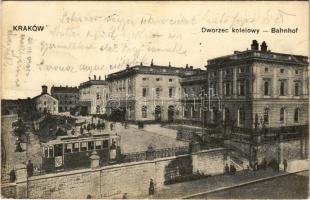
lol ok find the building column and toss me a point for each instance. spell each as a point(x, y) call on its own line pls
point(289, 84)
point(234, 82)
point(274, 83)
point(220, 84)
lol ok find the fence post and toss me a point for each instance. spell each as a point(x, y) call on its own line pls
point(94, 191)
point(21, 182)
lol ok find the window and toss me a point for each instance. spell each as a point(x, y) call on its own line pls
point(98, 96)
point(170, 79)
point(266, 69)
point(105, 144)
point(266, 116)
point(296, 89)
point(44, 102)
point(241, 70)
point(144, 79)
point(144, 111)
point(158, 79)
point(97, 109)
point(83, 146)
point(170, 92)
point(227, 89)
point(296, 71)
point(68, 148)
point(98, 145)
point(157, 91)
point(76, 147)
point(144, 92)
point(241, 117)
point(281, 71)
point(282, 115)
point(296, 115)
point(282, 88)
point(241, 88)
point(90, 145)
point(266, 88)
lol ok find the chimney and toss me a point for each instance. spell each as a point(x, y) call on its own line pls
point(141, 64)
point(44, 89)
point(186, 66)
point(94, 77)
point(127, 66)
point(152, 63)
point(263, 46)
point(89, 78)
point(191, 67)
point(254, 45)
point(99, 77)
point(66, 86)
point(105, 76)
point(169, 64)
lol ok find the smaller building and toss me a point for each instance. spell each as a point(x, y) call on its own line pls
point(193, 89)
point(93, 96)
point(45, 103)
point(68, 97)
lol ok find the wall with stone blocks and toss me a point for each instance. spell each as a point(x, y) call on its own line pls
point(289, 150)
point(210, 163)
point(115, 180)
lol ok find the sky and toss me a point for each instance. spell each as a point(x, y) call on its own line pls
point(81, 39)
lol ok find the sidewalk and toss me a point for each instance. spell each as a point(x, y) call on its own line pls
point(216, 183)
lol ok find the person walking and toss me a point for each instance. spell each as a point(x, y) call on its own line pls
point(29, 168)
point(285, 165)
point(151, 187)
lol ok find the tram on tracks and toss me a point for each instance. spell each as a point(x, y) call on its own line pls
point(74, 152)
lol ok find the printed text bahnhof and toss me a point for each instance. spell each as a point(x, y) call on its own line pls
point(248, 30)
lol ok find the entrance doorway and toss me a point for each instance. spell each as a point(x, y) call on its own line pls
point(170, 113)
point(157, 113)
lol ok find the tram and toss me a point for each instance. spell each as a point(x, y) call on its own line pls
point(74, 152)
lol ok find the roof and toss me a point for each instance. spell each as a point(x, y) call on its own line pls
point(259, 55)
point(80, 138)
point(154, 69)
point(42, 95)
point(66, 89)
point(93, 82)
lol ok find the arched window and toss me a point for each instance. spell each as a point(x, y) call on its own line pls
point(282, 115)
point(266, 116)
point(296, 115)
point(144, 111)
point(241, 117)
point(296, 89)
point(266, 88)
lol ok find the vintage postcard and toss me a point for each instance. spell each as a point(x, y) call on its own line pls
point(155, 100)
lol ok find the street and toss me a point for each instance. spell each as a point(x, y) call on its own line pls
point(293, 186)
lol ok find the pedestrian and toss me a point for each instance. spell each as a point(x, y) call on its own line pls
point(226, 169)
point(30, 168)
point(18, 147)
point(152, 187)
point(12, 176)
point(285, 165)
point(232, 169)
point(256, 166)
point(264, 164)
point(126, 125)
